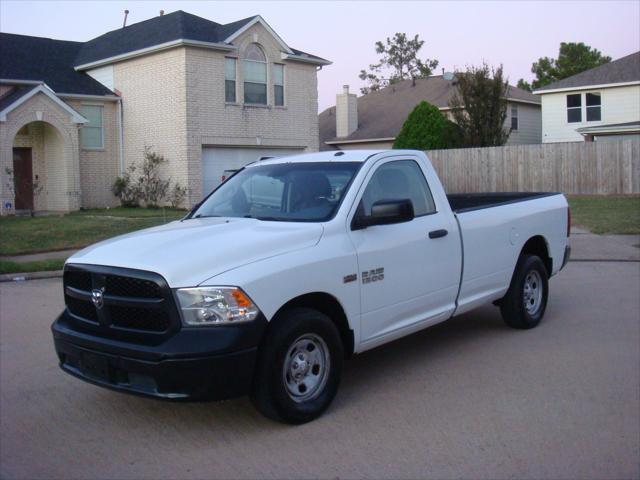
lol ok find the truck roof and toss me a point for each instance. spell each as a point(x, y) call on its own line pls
point(332, 156)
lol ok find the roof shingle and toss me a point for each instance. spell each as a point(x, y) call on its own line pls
point(46, 60)
point(381, 114)
point(625, 69)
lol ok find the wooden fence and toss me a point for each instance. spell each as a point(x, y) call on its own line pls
point(599, 168)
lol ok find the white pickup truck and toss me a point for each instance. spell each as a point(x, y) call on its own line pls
point(292, 265)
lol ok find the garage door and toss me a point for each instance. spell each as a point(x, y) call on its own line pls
point(215, 160)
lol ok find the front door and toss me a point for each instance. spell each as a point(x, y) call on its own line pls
point(407, 279)
point(23, 178)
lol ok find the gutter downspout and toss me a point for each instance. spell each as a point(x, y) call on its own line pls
point(120, 136)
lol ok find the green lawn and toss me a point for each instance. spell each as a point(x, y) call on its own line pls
point(39, 266)
point(613, 215)
point(22, 235)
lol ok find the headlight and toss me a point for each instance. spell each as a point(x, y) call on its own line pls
point(215, 306)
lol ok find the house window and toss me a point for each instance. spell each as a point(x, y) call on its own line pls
point(514, 117)
point(91, 134)
point(594, 113)
point(574, 108)
point(255, 76)
point(278, 85)
point(230, 80)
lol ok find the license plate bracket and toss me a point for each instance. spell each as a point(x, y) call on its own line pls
point(95, 366)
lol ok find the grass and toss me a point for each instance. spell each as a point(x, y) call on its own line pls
point(24, 235)
point(39, 266)
point(606, 215)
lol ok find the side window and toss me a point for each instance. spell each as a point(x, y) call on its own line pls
point(230, 80)
point(594, 113)
point(399, 180)
point(91, 135)
point(574, 108)
point(278, 85)
point(514, 117)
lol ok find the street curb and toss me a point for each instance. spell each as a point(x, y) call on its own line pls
point(21, 277)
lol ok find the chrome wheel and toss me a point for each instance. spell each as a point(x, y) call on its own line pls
point(306, 368)
point(532, 295)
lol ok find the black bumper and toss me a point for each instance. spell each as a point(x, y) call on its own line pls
point(567, 256)
point(207, 363)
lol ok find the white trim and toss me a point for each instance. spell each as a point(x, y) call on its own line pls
point(300, 58)
point(366, 140)
point(181, 42)
point(587, 87)
point(43, 88)
point(80, 96)
point(20, 82)
point(606, 129)
point(248, 25)
point(508, 99)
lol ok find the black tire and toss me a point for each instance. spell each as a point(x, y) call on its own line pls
point(271, 394)
point(516, 311)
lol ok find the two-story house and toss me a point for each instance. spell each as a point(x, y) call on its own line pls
point(374, 120)
point(206, 96)
point(602, 103)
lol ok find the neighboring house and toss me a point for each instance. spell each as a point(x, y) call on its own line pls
point(209, 97)
point(602, 103)
point(374, 120)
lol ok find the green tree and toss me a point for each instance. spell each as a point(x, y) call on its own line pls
point(479, 106)
point(524, 85)
point(399, 61)
point(426, 128)
point(572, 58)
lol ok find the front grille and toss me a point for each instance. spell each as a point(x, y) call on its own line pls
point(139, 318)
point(131, 287)
point(132, 300)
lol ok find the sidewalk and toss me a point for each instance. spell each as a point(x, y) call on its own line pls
point(587, 246)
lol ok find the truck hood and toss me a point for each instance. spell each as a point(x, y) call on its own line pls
point(186, 253)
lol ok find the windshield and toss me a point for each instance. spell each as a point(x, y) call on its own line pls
point(292, 192)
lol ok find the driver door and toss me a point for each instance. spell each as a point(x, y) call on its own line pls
point(407, 279)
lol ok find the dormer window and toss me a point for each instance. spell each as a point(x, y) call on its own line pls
point(255, 75)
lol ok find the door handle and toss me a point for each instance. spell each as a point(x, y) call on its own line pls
point(438, 233)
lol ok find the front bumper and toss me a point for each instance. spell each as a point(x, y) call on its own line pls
point(203, 363)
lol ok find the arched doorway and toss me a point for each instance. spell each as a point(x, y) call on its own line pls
point(39, 170)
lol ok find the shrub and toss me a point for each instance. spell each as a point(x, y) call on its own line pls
point(153, 189)
point(148, 188)
point(177, 195)
point(126, 189)
point(426, 128)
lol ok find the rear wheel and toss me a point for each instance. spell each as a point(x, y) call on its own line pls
point(526, 300)
point(299, 366)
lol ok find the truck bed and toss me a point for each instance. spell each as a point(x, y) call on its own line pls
point(465, 202)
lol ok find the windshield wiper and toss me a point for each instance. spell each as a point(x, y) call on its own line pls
point(205, 216)
point(267, 219)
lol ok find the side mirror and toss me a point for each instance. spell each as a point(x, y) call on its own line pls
point(385, 212)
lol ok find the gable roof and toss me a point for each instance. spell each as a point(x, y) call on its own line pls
point(15, 99)
point(46, 60)
point(167, 30)
point(155, 31)
point(623, 70)
point(381, 114)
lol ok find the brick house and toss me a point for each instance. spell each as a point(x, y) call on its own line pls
point(207, 96)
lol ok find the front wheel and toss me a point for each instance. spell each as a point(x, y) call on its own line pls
point(526, 300)
point(299, 366)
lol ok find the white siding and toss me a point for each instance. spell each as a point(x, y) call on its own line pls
point(104, 75)
point(619, 105)
point(529, 124)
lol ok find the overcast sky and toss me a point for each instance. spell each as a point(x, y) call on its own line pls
point(514, 34)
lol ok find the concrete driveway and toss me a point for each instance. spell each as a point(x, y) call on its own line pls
point(467, 399)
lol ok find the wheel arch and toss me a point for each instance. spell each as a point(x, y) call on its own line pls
point(538, 245)
point(330, 306)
